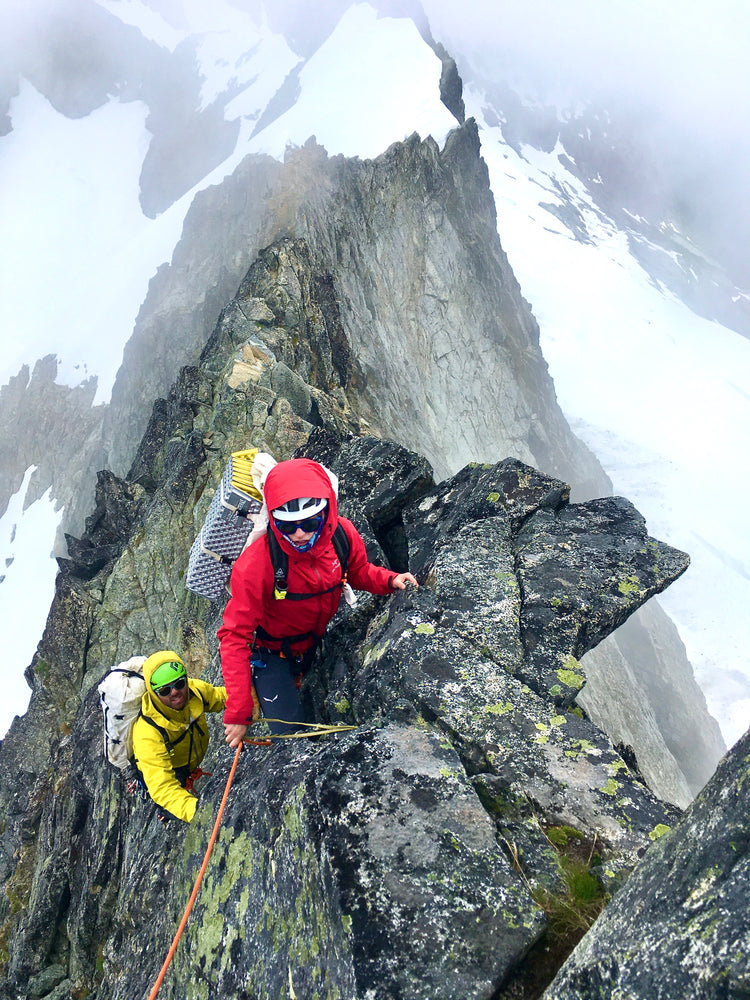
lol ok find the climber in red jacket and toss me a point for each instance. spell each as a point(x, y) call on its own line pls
point(266, 642)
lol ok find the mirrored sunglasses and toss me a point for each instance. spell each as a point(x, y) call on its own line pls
point(167, 689)
point(309, 524)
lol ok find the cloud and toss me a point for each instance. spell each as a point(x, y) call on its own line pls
point(674, 73)
point(688, 58)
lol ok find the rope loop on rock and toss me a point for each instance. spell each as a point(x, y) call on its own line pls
point(311, 729)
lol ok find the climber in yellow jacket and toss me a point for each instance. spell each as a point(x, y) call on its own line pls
point(170, 736)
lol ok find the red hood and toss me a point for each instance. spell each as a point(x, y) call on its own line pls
point(300, 477)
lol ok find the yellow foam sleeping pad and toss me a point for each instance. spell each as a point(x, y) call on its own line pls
point(244, 477)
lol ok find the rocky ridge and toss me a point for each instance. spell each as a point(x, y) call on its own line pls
point(427, 301)
point(402, 262)
point(341, 862)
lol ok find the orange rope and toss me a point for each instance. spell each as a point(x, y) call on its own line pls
point(196, 887)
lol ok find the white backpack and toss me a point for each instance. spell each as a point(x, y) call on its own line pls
point(120, 694)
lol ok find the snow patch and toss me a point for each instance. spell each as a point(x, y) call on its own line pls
point(372, 82)
point(27, 586)
point(654, 391)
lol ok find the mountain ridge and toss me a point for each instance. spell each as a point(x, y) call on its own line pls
point(72, 923)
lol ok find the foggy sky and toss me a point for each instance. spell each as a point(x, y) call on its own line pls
point(677, 73)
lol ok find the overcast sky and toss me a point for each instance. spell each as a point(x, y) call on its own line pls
point(678, 71)
point(687, 55)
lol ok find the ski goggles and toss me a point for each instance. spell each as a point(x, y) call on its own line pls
point(167, 689)
point(310, 524)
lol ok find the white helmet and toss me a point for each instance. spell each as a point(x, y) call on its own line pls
point(300, 508)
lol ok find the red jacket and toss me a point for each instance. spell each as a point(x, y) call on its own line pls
point(252, 603)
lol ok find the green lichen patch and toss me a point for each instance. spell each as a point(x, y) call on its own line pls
point(630, 585)
point(658, 831)
point(424, 628)
point(571, 679)
point(499, 708)
point(570, 673)
point(610, 788)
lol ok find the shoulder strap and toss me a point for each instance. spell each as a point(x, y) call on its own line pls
point(171, 744)
point(341, 545)
point(280, 563)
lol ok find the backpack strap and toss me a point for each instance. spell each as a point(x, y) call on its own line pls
point(168, 743)
point(171, 744)
point(218, 556)
point(280, 563)
point(341, 545)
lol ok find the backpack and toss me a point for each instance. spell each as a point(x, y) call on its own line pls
point(120, 694)
point(235, 517)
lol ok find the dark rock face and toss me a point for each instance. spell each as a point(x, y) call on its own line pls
point(400, 859)
point(118, 505)
point(429, 309)
point(54, 427)
point(597, 552)
point(680, 927)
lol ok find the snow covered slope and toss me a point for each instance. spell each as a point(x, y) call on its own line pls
point(658, 393)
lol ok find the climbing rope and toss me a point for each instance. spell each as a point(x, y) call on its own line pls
point(196, 887)
point(311, 729)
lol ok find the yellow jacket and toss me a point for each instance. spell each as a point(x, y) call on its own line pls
point(187, 732)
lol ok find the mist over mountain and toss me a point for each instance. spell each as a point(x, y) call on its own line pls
point(183, 93)
point(657, 95)
point(480, 263)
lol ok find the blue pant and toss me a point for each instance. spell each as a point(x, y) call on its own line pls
point(274, 680)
